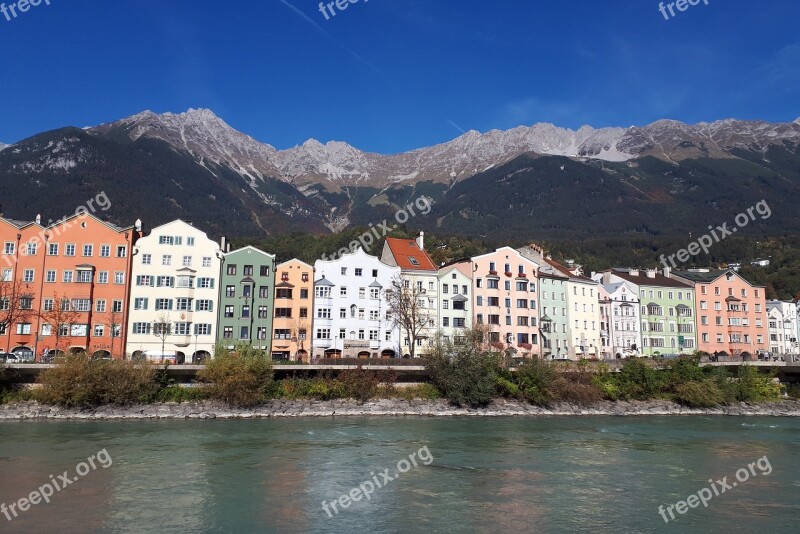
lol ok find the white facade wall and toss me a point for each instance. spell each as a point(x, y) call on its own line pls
point(348, 316)
point(583, 318)
point(782, 317)
point(625, 320)
point(173, 255)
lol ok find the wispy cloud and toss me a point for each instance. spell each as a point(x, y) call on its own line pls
point(332, 38)
point(456, 126)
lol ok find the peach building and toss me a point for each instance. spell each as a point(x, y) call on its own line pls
point(294, 308)
point(74, 277)
point(731, 312)
point(506, 300)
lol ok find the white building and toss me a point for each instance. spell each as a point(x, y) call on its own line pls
point(421, 277)
point(455, 301)
point(782, 318)
point(623, 319)
point(174, 293)
point(350, 308)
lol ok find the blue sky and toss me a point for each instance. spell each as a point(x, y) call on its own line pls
point(393, 75)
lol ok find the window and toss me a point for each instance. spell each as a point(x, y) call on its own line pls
point(99, 330)
point(165, 240)
point(166, 259)
point(202, 329)
point(445, 289)
point(342, 291)
point(183, 304)
point(204, 305)
point(163, 304)
point(373, 335)
point(9, 248)
point(187, 261)
point(322, 292)
point(374, 315)
point(144, 280)
point(70, 249)
point(227, 332)
point(285, 313)
point(141, 328)
point(47, 304)
point(119, 277)
point(30, 249)
point(323, 333)
point(67, 277)
point(28, 275)
point(359, 272)
point(374, 293)
point(81, 305)
point(147, 259)
point(343, 270)
point(183, 329)
point(413, 261)
point(304, 293)
point(105, 251)
point(165, 281)
point(446, 304)
point(459, 322)
point(362, 292)
point(84, 277)
point(323, 313)
point(374, 273)
point(122, 251)
point(140, 303)
point(205, 283)
point(247, 270)
point(228, 312)
point(206, 261)
point(445, 321)
point(100, 306)
point(88, 250)
point(263, 270)
point(522, 303)
point(491, 283)
point(283, 333)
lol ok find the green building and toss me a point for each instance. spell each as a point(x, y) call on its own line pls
point(246, 296)
point(667, 311)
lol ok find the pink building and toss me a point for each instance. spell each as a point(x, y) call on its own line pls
point(506, 300)
point(731, 312)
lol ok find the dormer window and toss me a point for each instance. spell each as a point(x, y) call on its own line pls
point(413, 260)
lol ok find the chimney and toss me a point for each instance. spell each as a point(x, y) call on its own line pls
point(39, 219)
point(634, 272)
point(222, 244)
point(138, 225)
point(667, 271)
point(606, 278)
point(421, 240)
point(651, 273)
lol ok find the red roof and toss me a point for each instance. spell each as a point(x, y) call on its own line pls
point(409, 256)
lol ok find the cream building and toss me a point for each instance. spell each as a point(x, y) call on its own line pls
point(174, 294)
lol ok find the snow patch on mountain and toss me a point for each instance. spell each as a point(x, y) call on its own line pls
point(3, 146)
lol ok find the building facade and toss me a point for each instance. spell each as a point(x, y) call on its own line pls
point(351, 311)
point(294, 308)
point(730, 311)
point(174, 294)
point(782, 327)
point(420, 277)
point(455, 301)
point(65, 285)
point(666, 308)
point(506, 300)
point(246, 293)
point(620, 318)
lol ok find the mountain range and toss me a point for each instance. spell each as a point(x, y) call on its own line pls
point(534, 182)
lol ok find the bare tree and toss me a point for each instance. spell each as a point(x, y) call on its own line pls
point(162, 329)
point(407, 310)
point(115, 324)
point(16, 303)
point(300, 324)
point(60, 316)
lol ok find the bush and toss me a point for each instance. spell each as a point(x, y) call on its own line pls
point(79, 382)
point(240, 379)
point(181, 394)
point(751, 386)
point(535, 380)
point(576, 390)
point(635, 381)
point(695, 394)
point(464, 374)
point(793, 391)
point(420, 391)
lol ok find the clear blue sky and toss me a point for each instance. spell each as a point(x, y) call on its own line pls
point(392, 75)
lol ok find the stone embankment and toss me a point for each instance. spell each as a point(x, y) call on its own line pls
point(383, 408)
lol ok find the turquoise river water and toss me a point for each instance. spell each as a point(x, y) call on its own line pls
point(501, 475)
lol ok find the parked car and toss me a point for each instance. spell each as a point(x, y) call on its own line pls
point(6, 357)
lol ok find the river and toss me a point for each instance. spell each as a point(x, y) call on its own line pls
point(500, 475)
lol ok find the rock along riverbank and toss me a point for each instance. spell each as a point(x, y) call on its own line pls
point(28, 411)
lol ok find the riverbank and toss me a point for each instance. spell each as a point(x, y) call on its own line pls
point(383, 408)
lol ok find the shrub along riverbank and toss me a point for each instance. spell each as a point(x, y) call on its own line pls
point(466, 376)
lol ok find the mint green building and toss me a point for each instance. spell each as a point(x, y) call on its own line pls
point(246, 296)
point(669, 324)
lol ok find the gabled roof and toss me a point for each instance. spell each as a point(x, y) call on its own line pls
point(460, 298)
point(375, 283)
point(324, 282)
point(657, 280)
point(409, 256)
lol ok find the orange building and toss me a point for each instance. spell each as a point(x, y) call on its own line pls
point(71, 281)
point(731, 312)
point(294, 308)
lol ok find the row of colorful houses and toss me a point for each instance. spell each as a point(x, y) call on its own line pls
point(83, 284)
